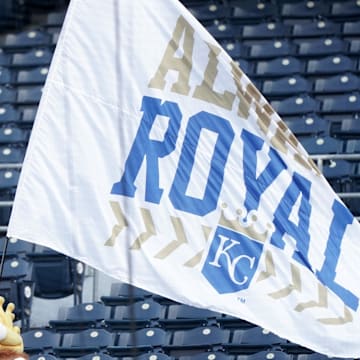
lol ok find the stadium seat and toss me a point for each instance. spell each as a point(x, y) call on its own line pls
point(4, 58)
point(316, 28)
point(180, 316)
point(340, 83)
point(321, 145)
point(295, 105)
point(35, 76)
point(274, 354)
point(209, 12)
point(351, 28)
point(95, 356)
point(309, 124)
point(5, 76)
point(43, 357)
point(26, 39)
point(222, 31)
point(345, 8)
point(210, 338)
point(11, 134)
point(208, 355)
point(286, 86)
point(122, 293)
point(55, 18)
point(7, 94)
point(315, 356)
point(153, 355)
point(339, 173)
point(56, 275)
point(322, 47)
point(347, 103)
point(84, 342)
point(245, 10)
point(235, 49)
point(40, 341)
point(29, 113)
point(34, 57)
point(29, 95)
point(304, 9)
point(143, 313)
point(80, 317)
point(8, 113)
point(254, 339)
point(265, 30)
point(16, 247)
point(9, 178)
point(271, 49)
point(140, 341)
point(330, 65)
point(279, 67)
point(11, 154)
point(346, 128)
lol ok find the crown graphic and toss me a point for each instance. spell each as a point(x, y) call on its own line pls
point(247, 227)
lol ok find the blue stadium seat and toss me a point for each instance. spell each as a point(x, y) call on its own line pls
point(143, 313)
point(274, 354)
point(323, 47)
point(345, 8)
point(80, 317)
point(315, 356)
point(11, 154)
point(234, 48)
point(346, 128)
point(7, 94)
point(341, 103)
point(16, 247)
point(9, 178)
point(153, 355)
point(245, 10)
point(26, 39)
point(222, 31)
point(30, 95)
point(4, 58)
point(304, 9)
point(253, 340)
point(209, 12)
point(43, 357)
point(351, 28)
point(55, 18)
point(208, 338)
point(84, 342)
point(280, 67)
point(181, 316)
point(321, 145)
point(354, 46)
point(95, 356)
point(309, 124)
point(339, 173)
point(271, 48)
point(8, 113)
point(35, 76)
point(11, 134)
point(265, 30)
point(5, 76)
point(34, 57)
point(140, 341)
point(340, 83)
point(56, 275)
point(40, 341)
point(286, 86)
point(330, 64)
point(208, 355)
point(122, 293)
point(316, 28)
point(29, 113)
point(295, 105)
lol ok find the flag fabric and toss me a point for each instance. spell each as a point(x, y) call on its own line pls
point(154, 159)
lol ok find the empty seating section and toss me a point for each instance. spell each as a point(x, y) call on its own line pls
point(303, 56)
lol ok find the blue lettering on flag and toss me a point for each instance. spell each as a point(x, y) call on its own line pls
point(232, 261)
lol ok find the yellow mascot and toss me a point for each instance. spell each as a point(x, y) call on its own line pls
point(11, 342)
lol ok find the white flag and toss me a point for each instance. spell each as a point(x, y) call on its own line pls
point(151, 147)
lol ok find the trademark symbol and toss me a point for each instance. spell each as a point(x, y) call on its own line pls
point(242, 300)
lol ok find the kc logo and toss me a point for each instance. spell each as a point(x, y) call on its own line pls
point(232, 261)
